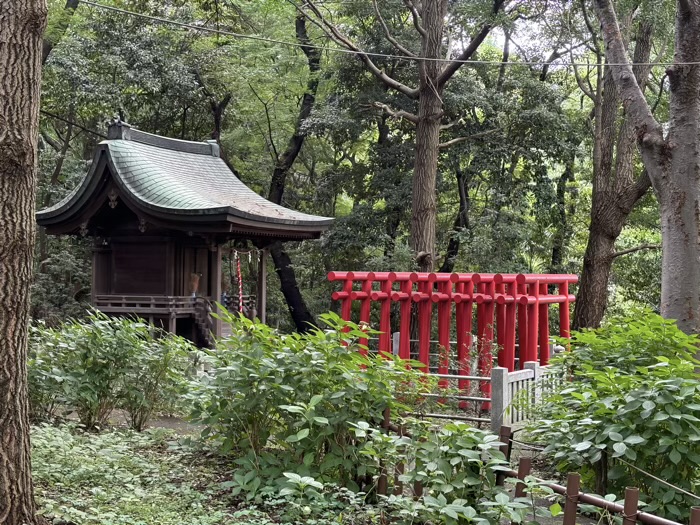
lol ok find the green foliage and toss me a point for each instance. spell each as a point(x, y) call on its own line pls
point(121, 478)
point(284, 403)
point(103, 363)
point(633, 403)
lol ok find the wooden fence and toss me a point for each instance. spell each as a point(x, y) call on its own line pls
point(628, 511)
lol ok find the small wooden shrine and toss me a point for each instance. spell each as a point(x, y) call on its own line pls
point(159, 211)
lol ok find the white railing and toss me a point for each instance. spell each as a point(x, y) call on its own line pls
point(514, 395)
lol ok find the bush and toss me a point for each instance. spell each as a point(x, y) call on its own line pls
point(302, 417)
point(633, 403)
point(287, 402)
point(102, 363)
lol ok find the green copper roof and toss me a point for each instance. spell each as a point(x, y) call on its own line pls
point(179, 178)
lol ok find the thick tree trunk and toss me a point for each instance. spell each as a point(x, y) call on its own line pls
point(615, 189)
point(22, 24)
point(679, 196)
point(673, 163)
point(424, 207)
point(301, 315)
point(597, 262)
point(298, 310)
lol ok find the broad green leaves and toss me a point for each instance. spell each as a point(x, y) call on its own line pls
point(633, 403)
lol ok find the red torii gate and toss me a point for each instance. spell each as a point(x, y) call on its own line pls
point(516, 305)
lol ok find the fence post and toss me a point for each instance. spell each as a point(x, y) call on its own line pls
point(524, 468)
point(499, 397)
point(694, 515)
point(504, 438)
point(629, 516)
point(395, 342)
point(536, 393)
point(573, 485)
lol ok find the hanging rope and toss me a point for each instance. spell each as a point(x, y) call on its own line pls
point(240, 283)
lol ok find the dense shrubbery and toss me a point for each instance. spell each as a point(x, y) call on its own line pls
point(99, 364)
point(634, 401)
point(289, 402)
point(302, 417)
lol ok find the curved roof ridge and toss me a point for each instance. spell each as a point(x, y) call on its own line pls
point(186, 146)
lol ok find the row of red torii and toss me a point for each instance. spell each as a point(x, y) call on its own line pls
point(508, 307)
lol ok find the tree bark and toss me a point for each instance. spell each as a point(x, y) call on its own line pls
point(673, 163)
point(22, 24)
point(301, 315)
point(615, 188)
point(424, 206)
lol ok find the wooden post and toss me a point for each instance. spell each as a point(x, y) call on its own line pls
point(504, 438)
point(573, 486)
point(398, 486)
point(629, 516)
point(262, 285)
point(524, 468)
point(395, 343)
point(694, 515)
point(499, 397)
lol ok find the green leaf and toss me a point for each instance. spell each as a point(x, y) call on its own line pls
point(555, 510)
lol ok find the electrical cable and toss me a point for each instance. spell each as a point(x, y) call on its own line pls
point(258, 38)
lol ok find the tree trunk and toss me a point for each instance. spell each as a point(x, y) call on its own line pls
point(615, 189)
point(22, 24)
point(424, 207)
point(679, 189)
point(562, 232)
point(592, 300)
point(301, 315)
point(461, 223)
point(673, 163)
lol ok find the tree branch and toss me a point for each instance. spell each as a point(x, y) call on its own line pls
point(444, 145)
point(269, 122)
point(405, 115)
point(635, 249)
point(389, 37)
point(416, 18)
point(452, 67)
point(337, 36)
point(661, 93)
point(54, 34)
point(649, 132)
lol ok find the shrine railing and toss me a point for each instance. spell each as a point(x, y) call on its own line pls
point(145, 304)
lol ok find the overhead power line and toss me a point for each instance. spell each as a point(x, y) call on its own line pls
point(207, 29)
